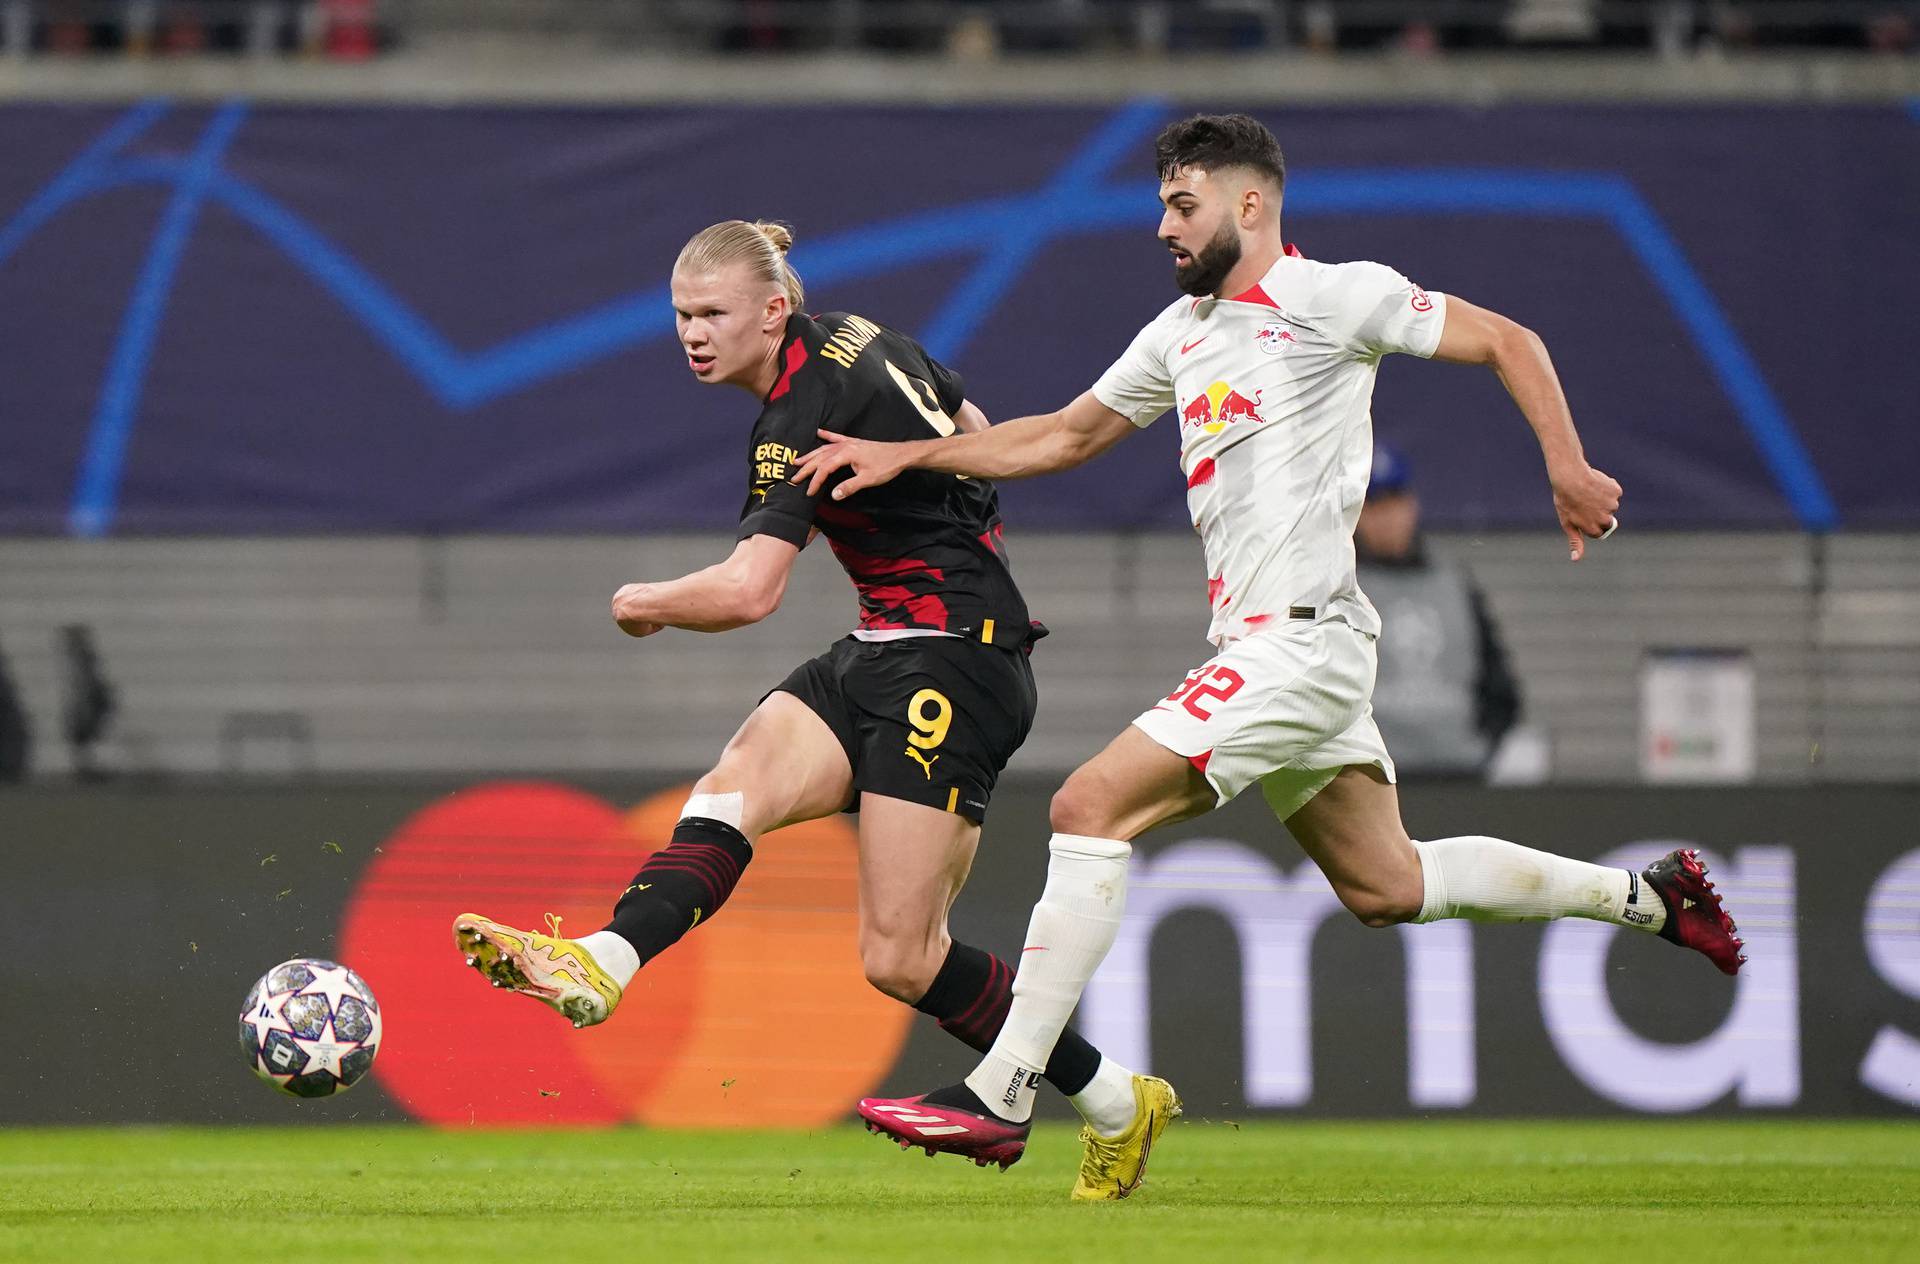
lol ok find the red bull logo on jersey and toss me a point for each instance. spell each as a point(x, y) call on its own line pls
point(1219, 408)
point(1274, 337)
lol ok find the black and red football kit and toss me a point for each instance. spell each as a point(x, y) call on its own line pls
point(929, 697)
point(925, 717)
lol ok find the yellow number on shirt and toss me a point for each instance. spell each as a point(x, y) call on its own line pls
point(931, 716)
point(923, 399)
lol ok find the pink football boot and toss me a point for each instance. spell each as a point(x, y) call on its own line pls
point(913, 1121)
point(1695, 918)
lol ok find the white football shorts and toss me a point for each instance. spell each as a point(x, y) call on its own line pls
point(1289, 708)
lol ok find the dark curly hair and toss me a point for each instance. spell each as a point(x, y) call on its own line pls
point(1213, 141)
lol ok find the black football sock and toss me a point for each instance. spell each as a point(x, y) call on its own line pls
point(970, 997)
point(681, 885)
point(960, 1097)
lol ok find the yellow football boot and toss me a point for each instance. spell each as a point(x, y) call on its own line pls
point(557, 972)
point(1113, 1167)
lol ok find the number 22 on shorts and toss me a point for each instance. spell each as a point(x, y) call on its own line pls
point(1217, 683)
point(929, 715)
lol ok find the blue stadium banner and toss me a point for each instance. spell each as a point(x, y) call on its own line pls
point(278, 318)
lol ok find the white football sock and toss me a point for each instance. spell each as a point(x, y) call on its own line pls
point(613, 954)
point(1073, 926)
point(1106, 1103)
point(1489, 880)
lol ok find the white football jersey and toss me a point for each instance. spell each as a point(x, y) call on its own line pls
point(1274, 391)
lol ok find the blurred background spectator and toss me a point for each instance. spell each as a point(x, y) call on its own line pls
point(1445, 695)
point(88, 700)
point(355, 29)
point(347, 30)
point(16, 739)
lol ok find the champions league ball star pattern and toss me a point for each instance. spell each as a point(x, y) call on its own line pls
point(310, 1028)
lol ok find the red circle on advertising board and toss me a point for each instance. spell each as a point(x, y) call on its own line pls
point(767, 1020)
point(456, 1050)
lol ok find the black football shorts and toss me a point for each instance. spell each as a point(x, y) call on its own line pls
point(928, 719)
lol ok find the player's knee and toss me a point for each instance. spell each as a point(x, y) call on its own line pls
point(1387, 905)
point(1377, 914)
point(1081, 807)
point(721, 780)
point(901, 968)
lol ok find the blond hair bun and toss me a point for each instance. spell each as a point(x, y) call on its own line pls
point(774, 231)
point(760, 247)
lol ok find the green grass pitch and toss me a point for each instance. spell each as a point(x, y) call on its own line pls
point(1451, 1190)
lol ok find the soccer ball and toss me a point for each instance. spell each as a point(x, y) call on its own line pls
point(310, 1028)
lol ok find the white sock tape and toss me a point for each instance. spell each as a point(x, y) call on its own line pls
point(1433, 886)
point(729, 807)
point(1086, 847)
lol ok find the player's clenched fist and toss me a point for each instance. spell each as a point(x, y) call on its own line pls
point(872, 463)
point(1586, 501)
point(624, 603)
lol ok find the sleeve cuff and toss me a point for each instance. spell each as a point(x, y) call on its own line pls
point(1437, 323)
point(778, 525)
point(1141, 415)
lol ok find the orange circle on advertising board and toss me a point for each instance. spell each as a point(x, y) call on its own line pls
point(764, 1019)
point(785, 1031)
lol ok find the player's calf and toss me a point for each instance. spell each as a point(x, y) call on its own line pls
point(678, 887)
point(1491, 880)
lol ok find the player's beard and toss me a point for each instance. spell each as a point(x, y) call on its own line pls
point(1209, 266)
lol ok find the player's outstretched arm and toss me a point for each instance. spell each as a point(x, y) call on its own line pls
point(744, 589)
point(1022, 448)
point(1584, 498)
